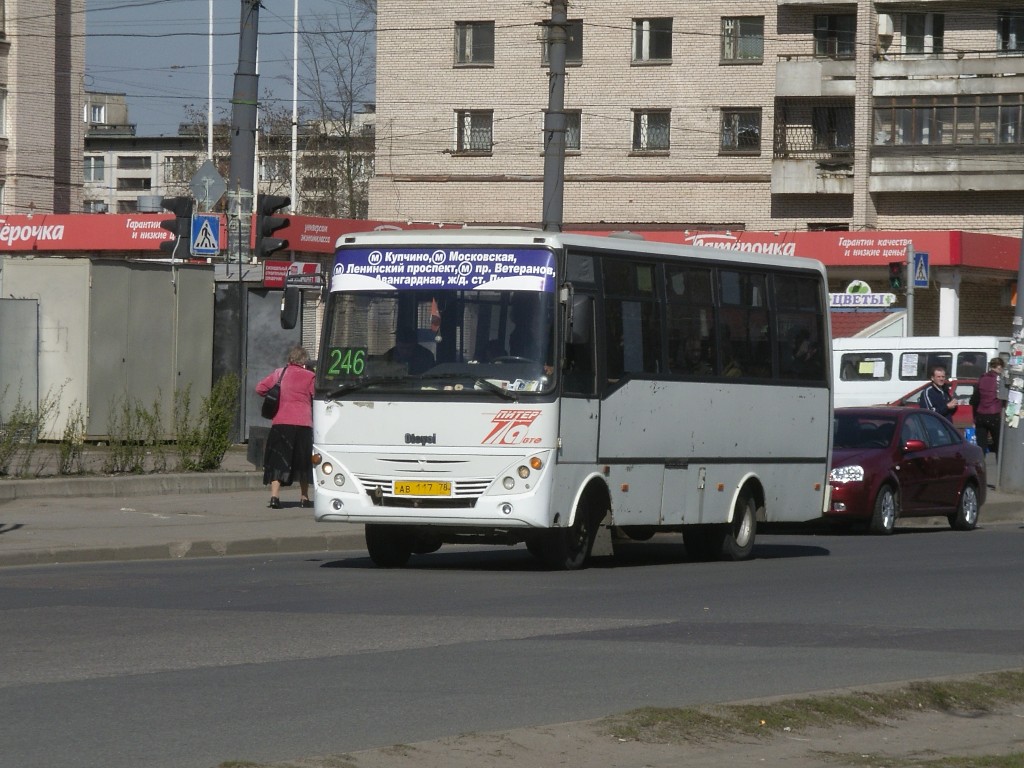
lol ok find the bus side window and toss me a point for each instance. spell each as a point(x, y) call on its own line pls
point(578, 363)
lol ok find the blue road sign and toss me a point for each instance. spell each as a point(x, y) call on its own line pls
point(205, 234)
point(920, 270)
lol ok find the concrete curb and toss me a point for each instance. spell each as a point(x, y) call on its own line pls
point(130, 485)
point(187, 549)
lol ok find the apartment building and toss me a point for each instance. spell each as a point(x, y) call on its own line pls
point(769, 115)
point(42, 65)
point(126, 173)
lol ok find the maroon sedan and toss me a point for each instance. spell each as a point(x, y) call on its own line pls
point(890, 462)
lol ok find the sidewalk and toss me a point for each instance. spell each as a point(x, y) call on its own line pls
point(159, 516)
point(171, 516)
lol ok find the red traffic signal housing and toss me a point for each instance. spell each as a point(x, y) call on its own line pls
point(267, 224)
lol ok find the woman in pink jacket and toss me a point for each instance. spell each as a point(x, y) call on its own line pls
point(289, 451)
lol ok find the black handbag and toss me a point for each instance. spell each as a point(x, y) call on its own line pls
point(272, 400)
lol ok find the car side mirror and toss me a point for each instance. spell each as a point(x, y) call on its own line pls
point(912, 446)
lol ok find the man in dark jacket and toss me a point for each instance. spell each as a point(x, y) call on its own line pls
point(935, 396)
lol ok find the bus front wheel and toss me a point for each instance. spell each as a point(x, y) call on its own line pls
point(389, 546)
point(568, 549)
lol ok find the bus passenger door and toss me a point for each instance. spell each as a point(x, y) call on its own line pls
point(580, 411)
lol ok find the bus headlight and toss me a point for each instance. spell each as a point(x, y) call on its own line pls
point(327, 468)
point(851, 474)
point(523, 472)
point(339, 479)
point(509, 483)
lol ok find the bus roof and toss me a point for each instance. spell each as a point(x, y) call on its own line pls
point(510, 236)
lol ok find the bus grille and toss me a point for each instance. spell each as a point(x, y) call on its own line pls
point(464, 493)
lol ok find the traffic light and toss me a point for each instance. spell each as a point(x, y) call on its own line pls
point(897, 276)
point(267, 224)
point(180, 226)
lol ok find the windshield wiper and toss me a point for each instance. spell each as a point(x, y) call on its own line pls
point(477, 380)
point(352, 386)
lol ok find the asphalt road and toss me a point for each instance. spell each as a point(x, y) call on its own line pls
point(182, 664)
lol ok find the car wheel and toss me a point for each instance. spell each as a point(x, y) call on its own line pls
point(966, 517)
point(389, 546)
point(883, 520)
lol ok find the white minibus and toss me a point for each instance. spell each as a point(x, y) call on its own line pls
point(875, 370)
point(534, 387)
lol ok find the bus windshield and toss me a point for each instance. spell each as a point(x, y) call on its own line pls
point(411, 321)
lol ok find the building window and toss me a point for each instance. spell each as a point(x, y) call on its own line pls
point(3, 110)
point(923, 33)
point(743, 38)
point(473, 132)
point(134, 162)
point(474, 43)
point(179, 168)
point(1011, 31)
point(741, 131)
point(651, 129)
point(573, 44)
point(94, 167)
point(94, 206)
point(832, 128)
point(835, 35)
point(573, 130)
point(964, 120)
point(652, 40)
point(274, 168)
point(127, 206)
point(134, 184)
point(94, 113)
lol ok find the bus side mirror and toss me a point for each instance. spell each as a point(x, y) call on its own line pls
point(290, 303)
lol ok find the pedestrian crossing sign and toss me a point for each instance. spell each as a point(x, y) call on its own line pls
point(205, 234)
point(920, 270)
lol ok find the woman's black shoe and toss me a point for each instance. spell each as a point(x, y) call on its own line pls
point(275, 503)
point(305, 503)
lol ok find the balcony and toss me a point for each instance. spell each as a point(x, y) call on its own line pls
point(813, 146)
point(806, 75)
point(948, 73)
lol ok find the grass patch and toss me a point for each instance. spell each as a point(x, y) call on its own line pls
point(1013, 760)
point(864, 709)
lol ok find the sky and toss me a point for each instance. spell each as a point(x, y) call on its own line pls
point(157, 53)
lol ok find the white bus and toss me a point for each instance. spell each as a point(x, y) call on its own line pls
point(521, 386)
point(879, 370)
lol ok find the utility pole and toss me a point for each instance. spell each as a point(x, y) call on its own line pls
point(243, 121)
point(910, 289)
point(243, 160)
point(554, 119)
point(1011, 454)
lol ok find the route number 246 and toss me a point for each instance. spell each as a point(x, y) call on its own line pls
point(346, 360)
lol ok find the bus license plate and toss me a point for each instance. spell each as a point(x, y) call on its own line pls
point(422, 488)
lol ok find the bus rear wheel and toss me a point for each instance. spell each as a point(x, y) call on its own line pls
point(389, 546)
point(731, 541)
point(738, 536)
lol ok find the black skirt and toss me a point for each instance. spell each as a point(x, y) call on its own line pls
point(289, 454)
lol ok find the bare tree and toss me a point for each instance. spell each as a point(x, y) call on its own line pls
point(338, 84)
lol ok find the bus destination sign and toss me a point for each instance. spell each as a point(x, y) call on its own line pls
point(489, 269)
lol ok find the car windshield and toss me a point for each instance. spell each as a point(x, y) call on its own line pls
point(380, 334)
point(862, 431)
